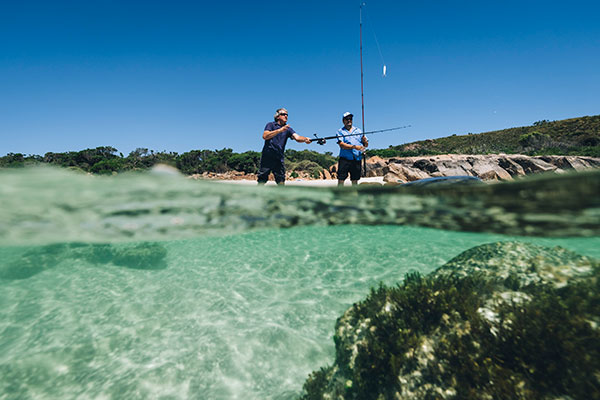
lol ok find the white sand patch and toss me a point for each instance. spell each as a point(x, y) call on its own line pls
point(307, 182)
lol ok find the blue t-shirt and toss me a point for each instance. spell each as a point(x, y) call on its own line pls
point(350, 154)
point(275, 146)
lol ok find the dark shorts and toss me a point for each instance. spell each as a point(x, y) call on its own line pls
point(345, 166)
point(268, 165)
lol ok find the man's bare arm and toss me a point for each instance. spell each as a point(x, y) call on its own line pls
point(301, 139)
point(350, 146)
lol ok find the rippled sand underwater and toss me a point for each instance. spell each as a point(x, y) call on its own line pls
point(243, 315)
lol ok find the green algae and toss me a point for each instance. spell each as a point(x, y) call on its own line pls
point(449, 336)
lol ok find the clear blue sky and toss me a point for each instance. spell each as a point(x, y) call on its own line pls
point(178, 76)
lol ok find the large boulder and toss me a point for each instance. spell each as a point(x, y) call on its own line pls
point(375, 166)
point(529, 264)
point(426, 165)
point(453, 167)
point(533, 165)
point(398, 173)
point(593, 161)
point(488, 169)
point(568, 162)
point(510, 166)
point(504, 320)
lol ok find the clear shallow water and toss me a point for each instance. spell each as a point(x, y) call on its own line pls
point(236, 316)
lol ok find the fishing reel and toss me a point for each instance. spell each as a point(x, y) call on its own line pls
point(319, 140)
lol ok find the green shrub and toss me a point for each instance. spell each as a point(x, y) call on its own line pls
point(310, 167)
point(108, 166)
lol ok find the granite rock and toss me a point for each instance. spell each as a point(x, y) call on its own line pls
point(487, 167)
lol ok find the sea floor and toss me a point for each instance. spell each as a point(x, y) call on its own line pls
point(244, 316)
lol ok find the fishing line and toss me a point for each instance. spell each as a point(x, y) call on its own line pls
point(377, 43)
point(362, 96)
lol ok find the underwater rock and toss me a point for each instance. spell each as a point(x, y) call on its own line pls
point(97, 253)
point(146, 256)
point(33, 261)
point(501, 320)
point(141, 256)
point(525, 262)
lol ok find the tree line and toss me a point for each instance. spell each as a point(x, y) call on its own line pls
point(106, 160)
point(575, 136)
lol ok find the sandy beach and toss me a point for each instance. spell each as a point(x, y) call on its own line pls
point(308, 182)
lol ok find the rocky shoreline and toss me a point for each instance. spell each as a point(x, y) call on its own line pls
point(486, 167)
point(492, 167)
point(501, 320)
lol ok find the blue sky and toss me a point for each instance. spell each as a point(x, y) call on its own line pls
point(179, 76)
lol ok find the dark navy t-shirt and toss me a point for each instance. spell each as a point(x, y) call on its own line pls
point(275, 146)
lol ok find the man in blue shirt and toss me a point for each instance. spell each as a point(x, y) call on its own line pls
point(351, 150)
point(276, 135)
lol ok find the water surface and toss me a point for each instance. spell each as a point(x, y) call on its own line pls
point(229, 306)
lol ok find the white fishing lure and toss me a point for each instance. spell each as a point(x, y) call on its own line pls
point(384, 70)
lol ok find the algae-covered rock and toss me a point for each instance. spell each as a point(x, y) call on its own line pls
point(525, 262)
point(503, 320)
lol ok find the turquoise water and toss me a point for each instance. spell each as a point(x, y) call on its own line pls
point(229, 307)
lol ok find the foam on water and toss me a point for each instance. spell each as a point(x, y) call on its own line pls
point(234, 316)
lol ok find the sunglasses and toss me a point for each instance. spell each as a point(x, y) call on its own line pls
point(283, 114)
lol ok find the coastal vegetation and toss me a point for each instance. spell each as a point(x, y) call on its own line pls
point(576, 136)
point(106, 160)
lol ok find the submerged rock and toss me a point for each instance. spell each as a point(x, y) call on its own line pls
point(33, 262)
point(141, 256)
point(145, 256)
point(527, 263)
point(502, 320)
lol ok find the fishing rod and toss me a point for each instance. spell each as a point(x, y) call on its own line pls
point(362, 96)
point(323, 140)
point(363, 170)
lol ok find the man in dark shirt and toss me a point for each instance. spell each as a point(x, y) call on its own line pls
point(276, 135)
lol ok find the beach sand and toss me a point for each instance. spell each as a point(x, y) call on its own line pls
point(309, 182)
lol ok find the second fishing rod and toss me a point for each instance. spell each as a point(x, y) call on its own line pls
point(323, 140)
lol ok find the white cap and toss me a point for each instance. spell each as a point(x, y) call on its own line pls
point(347, 114)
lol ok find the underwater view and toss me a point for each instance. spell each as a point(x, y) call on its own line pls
point(153, 286)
